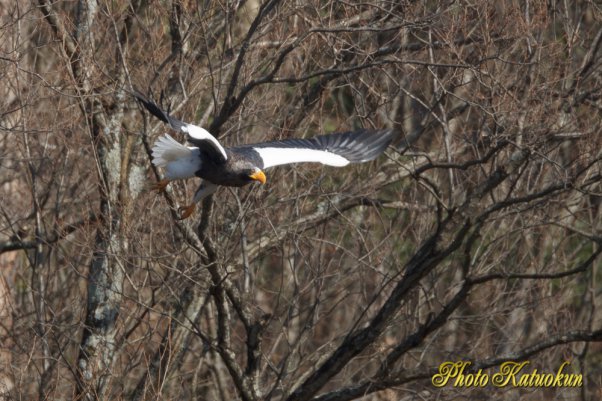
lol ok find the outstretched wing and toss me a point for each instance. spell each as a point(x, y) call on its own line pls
point(338, 149)
point(197, 136)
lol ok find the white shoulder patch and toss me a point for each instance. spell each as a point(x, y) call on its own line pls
point(201, 134)
point(279, 156)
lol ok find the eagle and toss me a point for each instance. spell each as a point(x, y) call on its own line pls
point(241, 165)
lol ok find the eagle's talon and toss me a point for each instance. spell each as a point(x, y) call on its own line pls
point(160, 186)
point(186, 211)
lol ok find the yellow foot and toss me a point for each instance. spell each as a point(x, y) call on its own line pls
point(160, 186)
point(186, 211)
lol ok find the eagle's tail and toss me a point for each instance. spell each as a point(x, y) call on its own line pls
point(167, 149)
point(179, 161)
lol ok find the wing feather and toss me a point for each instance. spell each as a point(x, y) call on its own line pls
point(197, 136)
point(337, 149)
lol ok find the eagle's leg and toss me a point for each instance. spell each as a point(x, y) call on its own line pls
point(205, 189)
point(161, 185)
point(186, 211)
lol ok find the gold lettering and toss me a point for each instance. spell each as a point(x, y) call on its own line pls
point(549, 379)
point(575, 380)
point(538, 381)
point(524, 380)
point(567, 379)
point(460, 376)
point(478, 379)
point(507, 373)
point(481, 379)
point(560, 375)
point(448, 370)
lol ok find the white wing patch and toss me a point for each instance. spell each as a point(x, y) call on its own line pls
point(278, 156)
point(178, 160)
point(202, 134)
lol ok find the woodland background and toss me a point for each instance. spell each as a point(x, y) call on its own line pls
point(477, 237)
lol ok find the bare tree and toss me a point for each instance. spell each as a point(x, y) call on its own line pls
point(476, 238)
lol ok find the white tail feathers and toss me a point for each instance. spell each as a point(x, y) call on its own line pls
point(167, 149)
point(179, 161)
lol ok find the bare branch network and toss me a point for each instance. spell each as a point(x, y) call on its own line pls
point(476, 237)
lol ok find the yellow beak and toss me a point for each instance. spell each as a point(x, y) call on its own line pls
point(258, 176)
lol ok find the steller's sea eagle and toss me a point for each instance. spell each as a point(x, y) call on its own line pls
point(240, 165)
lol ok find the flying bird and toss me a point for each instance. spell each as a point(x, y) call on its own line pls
point(241, 165)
